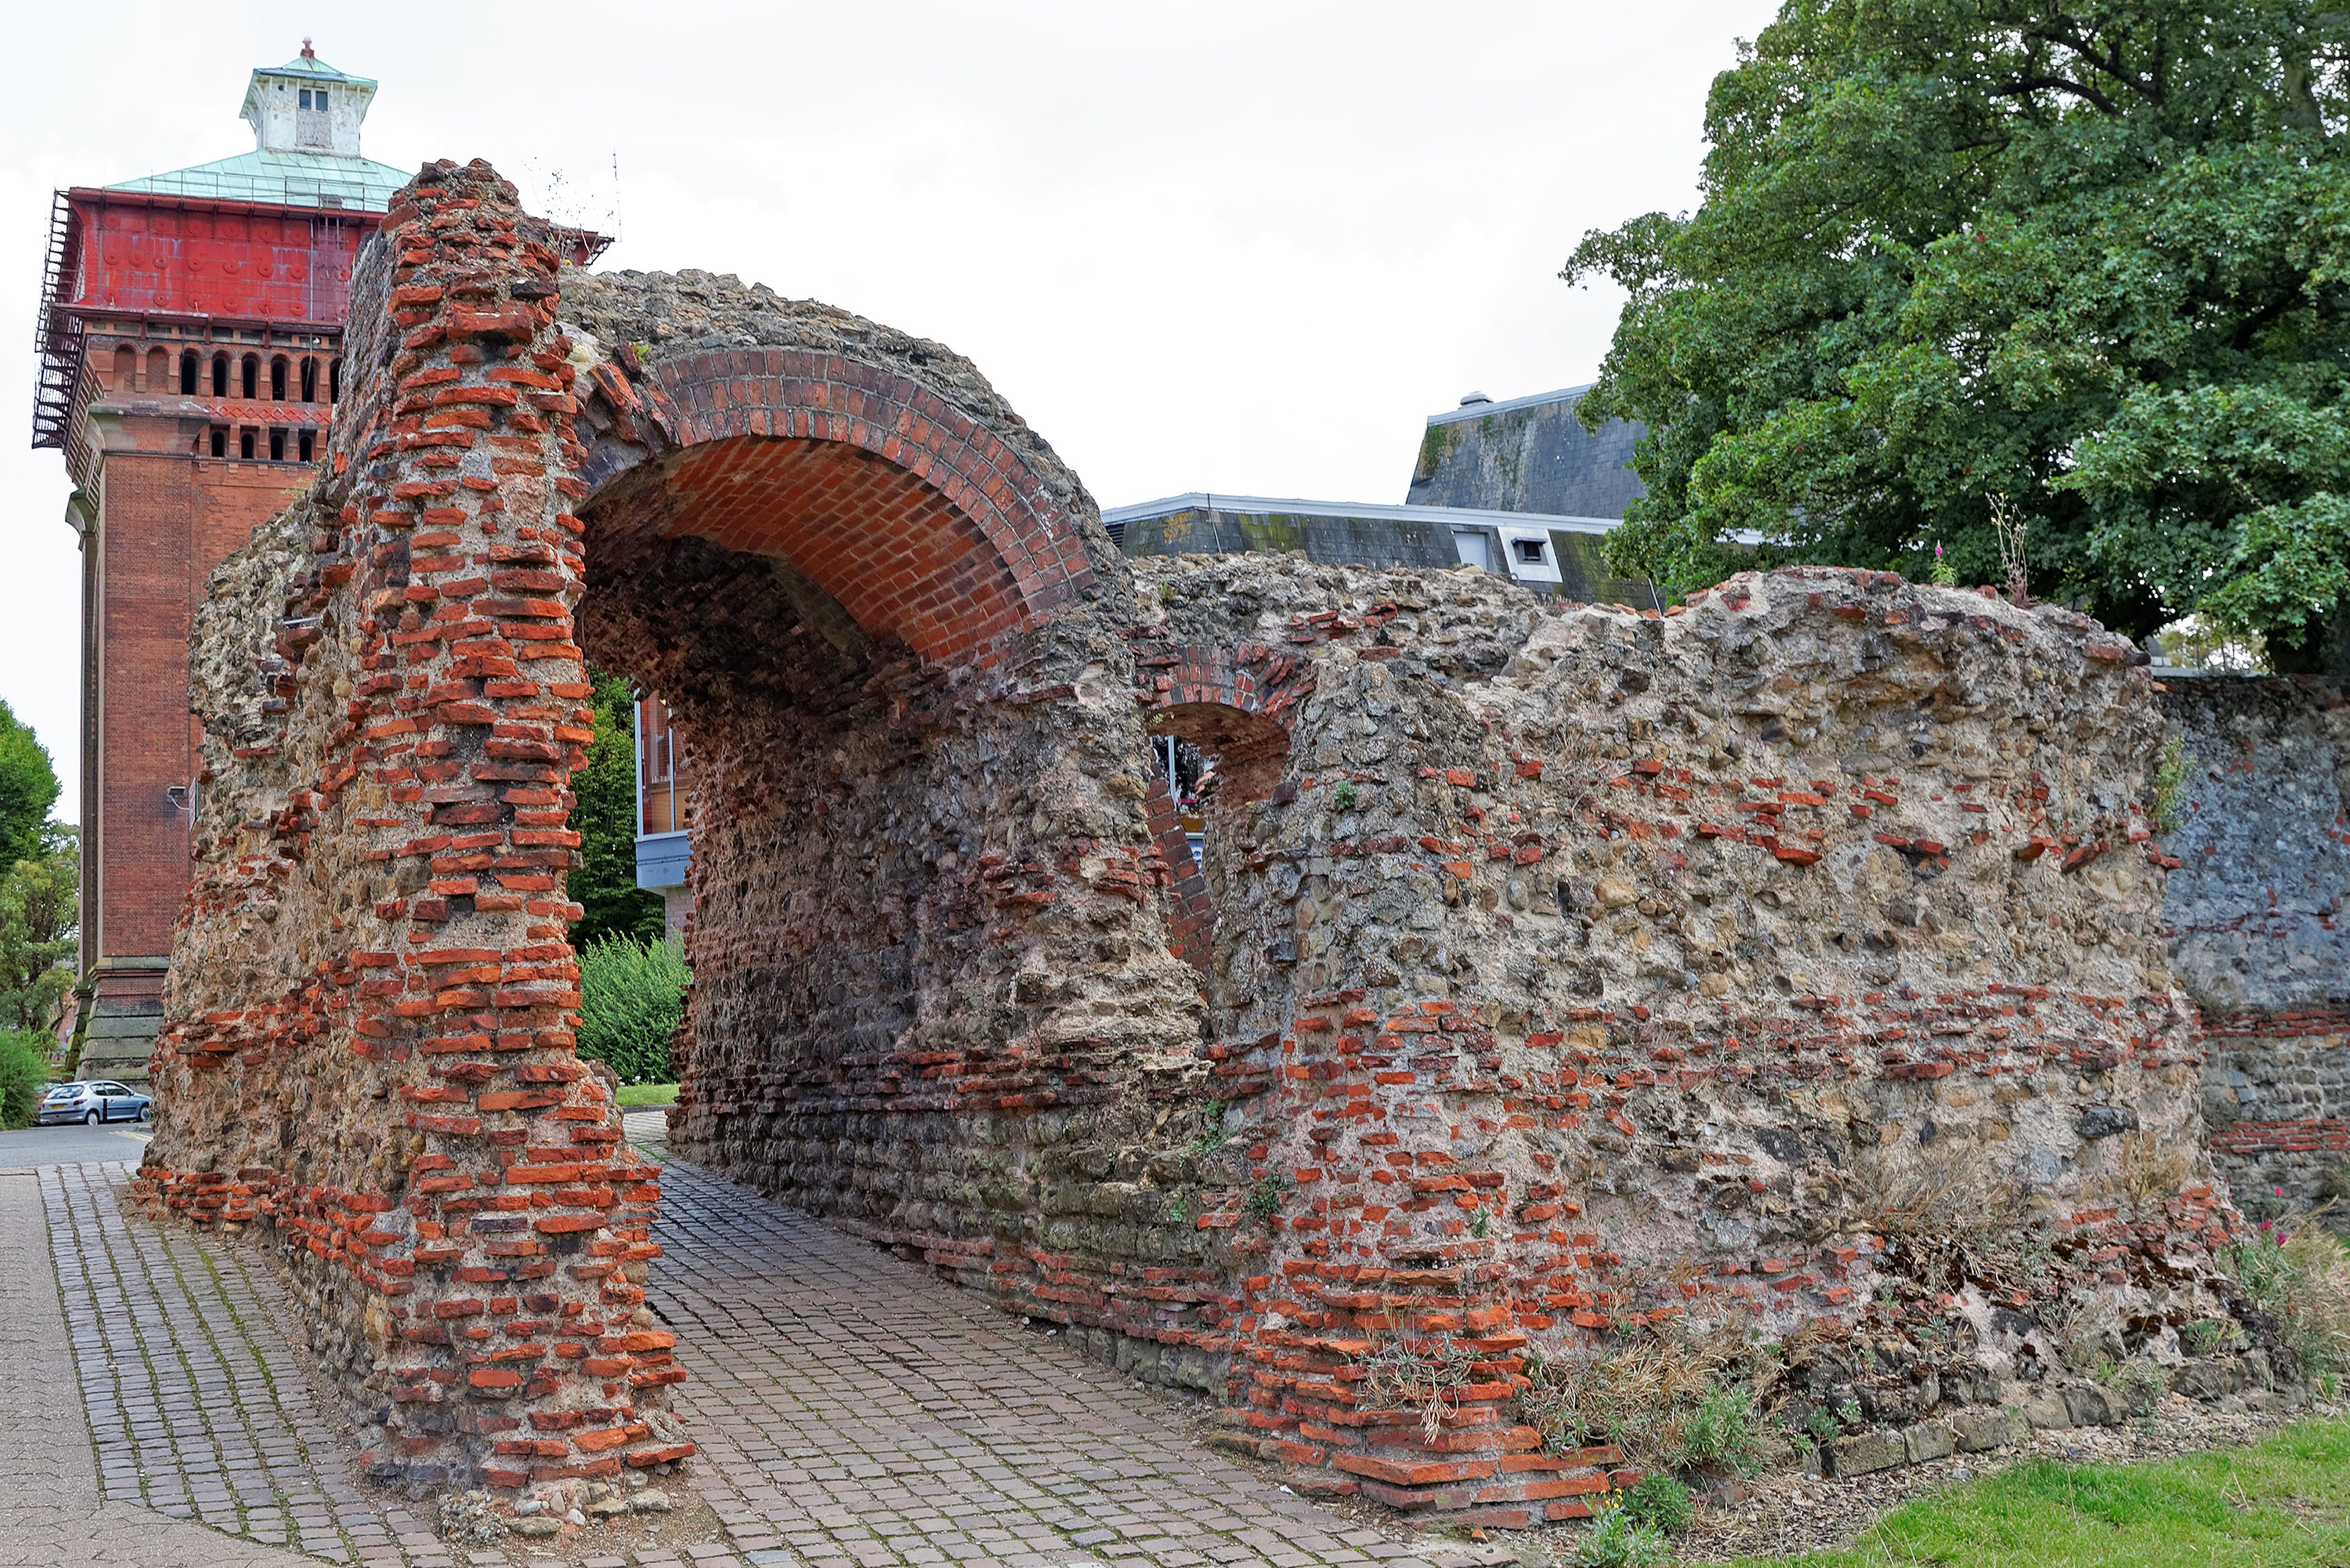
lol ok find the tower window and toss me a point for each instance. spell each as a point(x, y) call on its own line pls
point(305, 97)
point(220, 441)
point(277, 446)
point(310, 445)
point(220, 375)
point(188, 375)
point(244, 442)
point(277, 380)
point(250, 379)
point(309, 380)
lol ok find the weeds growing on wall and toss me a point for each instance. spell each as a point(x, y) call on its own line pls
point(1421, 1373)
point(631, 1000)
point(2301, 1279)
point(24, 1068)
point(1667, 1403)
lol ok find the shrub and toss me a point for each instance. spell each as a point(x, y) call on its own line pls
point(24, 1068)
point(1660, 1501)
point(631, 1000)
point(2302, 1281)
point(1617, 1539)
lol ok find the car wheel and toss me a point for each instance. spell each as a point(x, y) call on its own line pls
point(146, 1113)
point(90, 1118)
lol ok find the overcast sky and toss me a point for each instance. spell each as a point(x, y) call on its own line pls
point(1245, 247)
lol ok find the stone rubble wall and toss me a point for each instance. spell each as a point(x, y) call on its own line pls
point(2255, 920)
point(1590, 970)
point(369, 1044)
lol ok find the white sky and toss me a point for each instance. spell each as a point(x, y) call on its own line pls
point(1245, 247)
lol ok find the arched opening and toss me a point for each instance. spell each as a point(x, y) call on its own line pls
point(189, 371)
point(309, 379)
point(1216, 759)
point(821, 614)
point(158, 369)
point(335, 383)
point(277, 368)
point(244, 442)
point(220, 375)
point(125, 370)
point(249, 378)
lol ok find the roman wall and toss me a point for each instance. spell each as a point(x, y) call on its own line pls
point(1790, 966)
point(2254, 919)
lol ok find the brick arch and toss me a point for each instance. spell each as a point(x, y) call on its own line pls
point(923, 523)
point(1237, 704)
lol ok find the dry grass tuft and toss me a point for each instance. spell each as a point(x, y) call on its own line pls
point(1662, 1400)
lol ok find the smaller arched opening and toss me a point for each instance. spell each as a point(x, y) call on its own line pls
point(277, 371)
point(249, 378)
point(220, 375)
point(1219, 742)
point(158, 369)
point(125, 370)
point(190, 369)
point(244, 442)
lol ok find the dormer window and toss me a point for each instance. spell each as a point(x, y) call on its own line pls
point(314, 99)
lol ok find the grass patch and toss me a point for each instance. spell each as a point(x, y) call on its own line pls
point(2284, 1504)
point(637, 1095)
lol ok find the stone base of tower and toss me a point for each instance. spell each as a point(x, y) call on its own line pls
point(126, 1008)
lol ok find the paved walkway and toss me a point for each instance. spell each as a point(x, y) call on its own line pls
point(853, 1411)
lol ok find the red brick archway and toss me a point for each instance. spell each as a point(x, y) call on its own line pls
point(924, 525)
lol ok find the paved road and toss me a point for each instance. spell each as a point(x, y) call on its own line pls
point(71, 1144)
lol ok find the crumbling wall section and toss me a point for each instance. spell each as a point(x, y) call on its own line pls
point(1594, 972)
point(368, 1048)
point(2258, 934)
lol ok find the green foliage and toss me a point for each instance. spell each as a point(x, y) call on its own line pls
point(631, 998)
point(40, 897)
point(604, 814)
point(2083, 262)
point(1264, 1198)
point(24, 1068)
point(28, 788)
point(1661, 1502)
point(1343, 798)
point(2284, 1501)
point(1617, 1539)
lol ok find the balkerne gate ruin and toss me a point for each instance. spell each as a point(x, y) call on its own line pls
point(1552, 969)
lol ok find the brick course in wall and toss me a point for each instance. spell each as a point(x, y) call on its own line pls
point(369, 1043)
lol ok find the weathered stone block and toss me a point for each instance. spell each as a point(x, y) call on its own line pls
point(1864, 1452)
point(1979, 1428)
point(1928, 1440)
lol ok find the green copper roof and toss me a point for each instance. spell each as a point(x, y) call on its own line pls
point(311, 66)
point(289, 179)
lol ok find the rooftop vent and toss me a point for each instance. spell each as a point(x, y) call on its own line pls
point(1475, 398)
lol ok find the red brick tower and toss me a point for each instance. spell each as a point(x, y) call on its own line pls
point(190, 329)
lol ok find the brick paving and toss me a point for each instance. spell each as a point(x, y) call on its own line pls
point(853, 1410)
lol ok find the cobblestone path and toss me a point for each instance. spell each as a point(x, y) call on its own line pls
point(852, 1410)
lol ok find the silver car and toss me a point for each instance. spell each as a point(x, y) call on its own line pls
point(93, 1101)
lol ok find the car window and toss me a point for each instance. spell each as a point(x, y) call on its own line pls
point(112, 1089)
